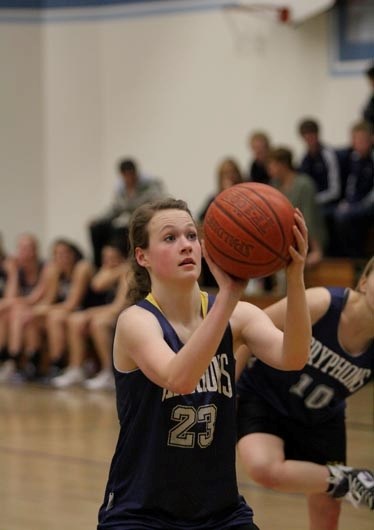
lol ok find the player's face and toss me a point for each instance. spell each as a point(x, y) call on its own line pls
point(174, 250)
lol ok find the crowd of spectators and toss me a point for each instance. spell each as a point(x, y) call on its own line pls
point(57, 315)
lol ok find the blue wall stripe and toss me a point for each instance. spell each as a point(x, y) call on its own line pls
point(91, 10)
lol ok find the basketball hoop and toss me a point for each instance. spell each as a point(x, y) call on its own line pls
point(251, 34)
point(281, 13)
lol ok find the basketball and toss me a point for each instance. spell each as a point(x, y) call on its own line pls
point(248, 230)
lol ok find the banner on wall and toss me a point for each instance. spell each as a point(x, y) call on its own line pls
point(352, 36)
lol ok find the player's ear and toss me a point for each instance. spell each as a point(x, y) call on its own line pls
point(141, 257)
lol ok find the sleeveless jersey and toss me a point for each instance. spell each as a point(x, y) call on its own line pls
point(318, 391)
point(174, 464)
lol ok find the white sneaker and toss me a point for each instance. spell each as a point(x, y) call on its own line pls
point(104, 380)
point(7, 369)
point(71, 376)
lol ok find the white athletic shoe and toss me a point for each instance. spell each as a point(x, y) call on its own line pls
point(7, 369)
point(357, 485)
point(104, 380)
point(70, 376)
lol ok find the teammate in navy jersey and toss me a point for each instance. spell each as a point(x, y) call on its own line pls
point(291, 426)
point(174, 464)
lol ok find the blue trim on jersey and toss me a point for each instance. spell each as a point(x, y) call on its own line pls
point(170, 470)
point(318, 392)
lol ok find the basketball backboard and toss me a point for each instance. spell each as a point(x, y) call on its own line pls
point(286, 11)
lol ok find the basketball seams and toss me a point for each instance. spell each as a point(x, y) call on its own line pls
point(258, 239)
point(248, 230)
point(275, 213)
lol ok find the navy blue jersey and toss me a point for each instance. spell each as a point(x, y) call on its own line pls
point(174, 464)
point(318, 392)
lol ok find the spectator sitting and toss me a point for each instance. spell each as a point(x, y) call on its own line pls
point(354, 214)
point(321, 163)
point(301, 191)
point(8, 273)
point(259, 144)
point(71, 278)
point(23, 272)
point(96, 323)
point(228, 174)
point(113, 223)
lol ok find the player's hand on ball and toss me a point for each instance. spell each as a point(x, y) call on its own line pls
point(299, 251)
point(223, 279)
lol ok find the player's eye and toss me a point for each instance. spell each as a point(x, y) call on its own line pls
point(192, 236)
point(169, 237)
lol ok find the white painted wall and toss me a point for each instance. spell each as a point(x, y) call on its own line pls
point(178, 92)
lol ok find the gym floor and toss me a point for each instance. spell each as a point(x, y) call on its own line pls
point(55, 451)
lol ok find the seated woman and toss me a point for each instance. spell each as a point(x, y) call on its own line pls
point(96, 323)
point(70, 280)
point(23, 277)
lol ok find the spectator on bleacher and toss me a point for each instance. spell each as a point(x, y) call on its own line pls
point(321, 163)
point(301, 191)
point(95, 321)
point(71, 278)
point(259, 146)
point(8, 274)
point(228, 174)
point(24, 272)
point(368, 110)
point(113, 224)
point(354, 214)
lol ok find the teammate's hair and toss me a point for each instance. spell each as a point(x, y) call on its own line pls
point(140, 282)
point(369, 267)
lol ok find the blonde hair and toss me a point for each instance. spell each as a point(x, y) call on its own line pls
point(369, 267)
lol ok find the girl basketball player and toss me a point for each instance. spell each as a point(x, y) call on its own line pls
point(174, 464)
point(291, 426)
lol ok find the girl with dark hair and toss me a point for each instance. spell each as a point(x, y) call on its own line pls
point(174, 465)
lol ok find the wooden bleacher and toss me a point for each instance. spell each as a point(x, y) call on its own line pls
point(331, 272)
point(334, 272)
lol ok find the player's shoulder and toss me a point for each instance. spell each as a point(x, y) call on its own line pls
point(318, 300)
point(245, 309)
point(135, 317)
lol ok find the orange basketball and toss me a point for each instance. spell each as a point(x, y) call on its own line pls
point(248, 230)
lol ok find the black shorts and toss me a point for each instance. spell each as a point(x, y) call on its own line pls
point(324, 443)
